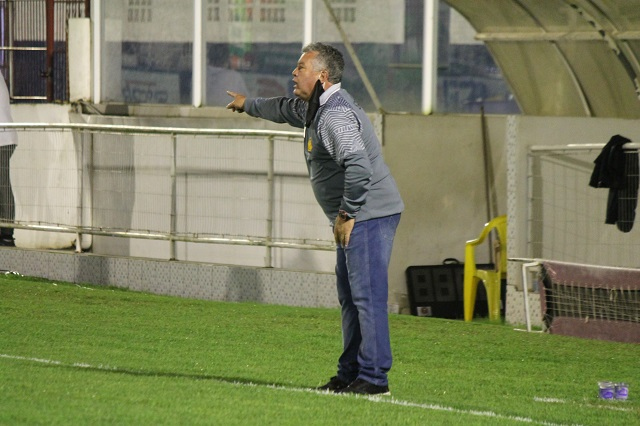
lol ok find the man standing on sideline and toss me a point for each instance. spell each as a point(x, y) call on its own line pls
point(355, 189)
point(8, 142)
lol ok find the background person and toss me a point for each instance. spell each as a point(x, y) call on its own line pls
point(8, 142)
point(359, 196)
point(221, 77)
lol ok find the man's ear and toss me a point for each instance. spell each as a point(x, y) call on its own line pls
point(324, 76)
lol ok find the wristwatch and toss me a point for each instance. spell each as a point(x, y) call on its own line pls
point(344, 215)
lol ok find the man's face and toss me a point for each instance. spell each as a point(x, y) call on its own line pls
point(304, 76)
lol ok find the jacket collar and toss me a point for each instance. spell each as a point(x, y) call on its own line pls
point(330, 91)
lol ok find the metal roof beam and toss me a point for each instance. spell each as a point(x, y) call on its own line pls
point(555, 36)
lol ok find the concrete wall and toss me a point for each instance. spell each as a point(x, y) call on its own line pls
point(439, 165)
point(437, 162)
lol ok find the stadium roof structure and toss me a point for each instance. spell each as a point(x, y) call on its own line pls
point(564, 57)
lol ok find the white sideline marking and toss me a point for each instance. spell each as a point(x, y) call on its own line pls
point(563, 401)
point(539, 399)
point(52, 362)
point(372, 398)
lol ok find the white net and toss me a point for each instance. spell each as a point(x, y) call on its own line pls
point(612, 304)
point(566, 217)
point(591, 301)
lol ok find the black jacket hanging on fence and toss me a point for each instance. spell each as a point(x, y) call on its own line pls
point(618, 171)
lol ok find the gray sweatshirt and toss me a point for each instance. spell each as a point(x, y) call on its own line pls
point(342, 152)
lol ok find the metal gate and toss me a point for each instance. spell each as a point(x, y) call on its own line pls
point(33, 47)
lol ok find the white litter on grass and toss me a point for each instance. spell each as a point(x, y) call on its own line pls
point(86, 288)
point(373, 398)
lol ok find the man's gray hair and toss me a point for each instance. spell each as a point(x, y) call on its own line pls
point(328, 58)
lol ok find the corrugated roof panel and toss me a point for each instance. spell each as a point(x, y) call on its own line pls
point(608, 87)
point(561, 58)
point(541, 86)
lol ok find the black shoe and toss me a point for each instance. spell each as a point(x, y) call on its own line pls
point(7, 242)
point(363, 387)
point(334, 385)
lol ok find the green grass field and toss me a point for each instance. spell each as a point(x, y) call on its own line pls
point(81, 355)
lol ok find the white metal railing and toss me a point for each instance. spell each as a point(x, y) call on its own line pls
point(219, 186)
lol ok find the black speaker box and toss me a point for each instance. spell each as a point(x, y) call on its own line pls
point(438, 291)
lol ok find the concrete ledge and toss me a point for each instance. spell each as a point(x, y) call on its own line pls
point(176, 278)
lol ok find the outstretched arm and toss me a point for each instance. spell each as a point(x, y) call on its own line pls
point(278, 109)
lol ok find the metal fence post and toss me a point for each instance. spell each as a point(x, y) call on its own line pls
point(174, 216)
point(271, 202)
point(80, 209)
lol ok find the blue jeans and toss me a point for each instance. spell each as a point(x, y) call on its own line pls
point(362, 279)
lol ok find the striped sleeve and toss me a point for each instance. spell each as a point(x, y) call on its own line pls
point(339, 131)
